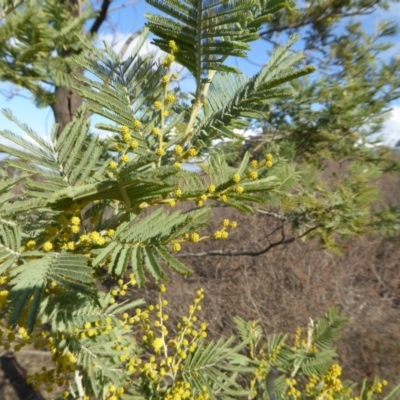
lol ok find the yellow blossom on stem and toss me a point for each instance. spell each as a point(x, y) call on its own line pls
point(157, 105)
point(75, 221)
point(160, 151)
point(173, 46)
point(177, 164)
point(194, 237)
point(252, 175)
point(175, 75)
point(158, 344)
point(268, 164)
point(178, 150)
point(211, 189)
point(193, 152)
point(127, 137)
point(124, 158)
point(110, 233)
point(239, 189)
point(30, 244)
point(113, 165)
point(217, 234)
point(168, 60)
point(236, 178)
point(170, 98)
point(137, 124)
point(47, 246)
point(254, 164)
point(155, 131)
point(134, 144)
point(176, 246)
point(124, 130)
point(75, 229)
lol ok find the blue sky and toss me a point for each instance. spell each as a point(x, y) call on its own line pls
point(128, 19)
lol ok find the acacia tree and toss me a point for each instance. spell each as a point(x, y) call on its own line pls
point(341, 105)
point(58, 241)
point(37, 49)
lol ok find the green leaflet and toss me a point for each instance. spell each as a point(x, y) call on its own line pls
point(172, 262)
point(152, 265)
point(29, 279)
point(137, 268)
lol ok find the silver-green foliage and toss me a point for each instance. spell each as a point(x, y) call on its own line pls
point(71, 169)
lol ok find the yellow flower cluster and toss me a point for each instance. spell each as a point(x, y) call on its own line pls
point(273, 355)
point(211, 189)
point(3, 298)
point(268, 161)
point(292, 391)
point(223, 234)
point(169, 353)
point(253, 175)
point(173, 46)
point(297, 338)
point(93, 238)
point(194, 237)
point(236, 178)
point(124, 130)
point(124, 159)
point(178, 150)
point(239, 189)
point(170, 98)
point(47, 246)
point(112, 164)
point(160, 152)
point(254, 164)
point(192, 152)
point(176, 246)
point(168, 60)
point(127, 137)
point(31, 244)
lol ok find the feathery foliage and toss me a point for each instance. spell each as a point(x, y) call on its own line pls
point(92, 220)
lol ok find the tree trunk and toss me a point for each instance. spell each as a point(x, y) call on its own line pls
point(67, 101)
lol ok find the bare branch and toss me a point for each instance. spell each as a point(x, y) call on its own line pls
point(101, 17)
point(306, 21)
point(241, 253)
point(128, 42)
point(10, 9)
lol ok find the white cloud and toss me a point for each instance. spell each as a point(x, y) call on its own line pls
point(391, 128)
point(117, 42)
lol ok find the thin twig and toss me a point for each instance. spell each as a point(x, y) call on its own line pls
point(101, 16)
point(241, 253)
